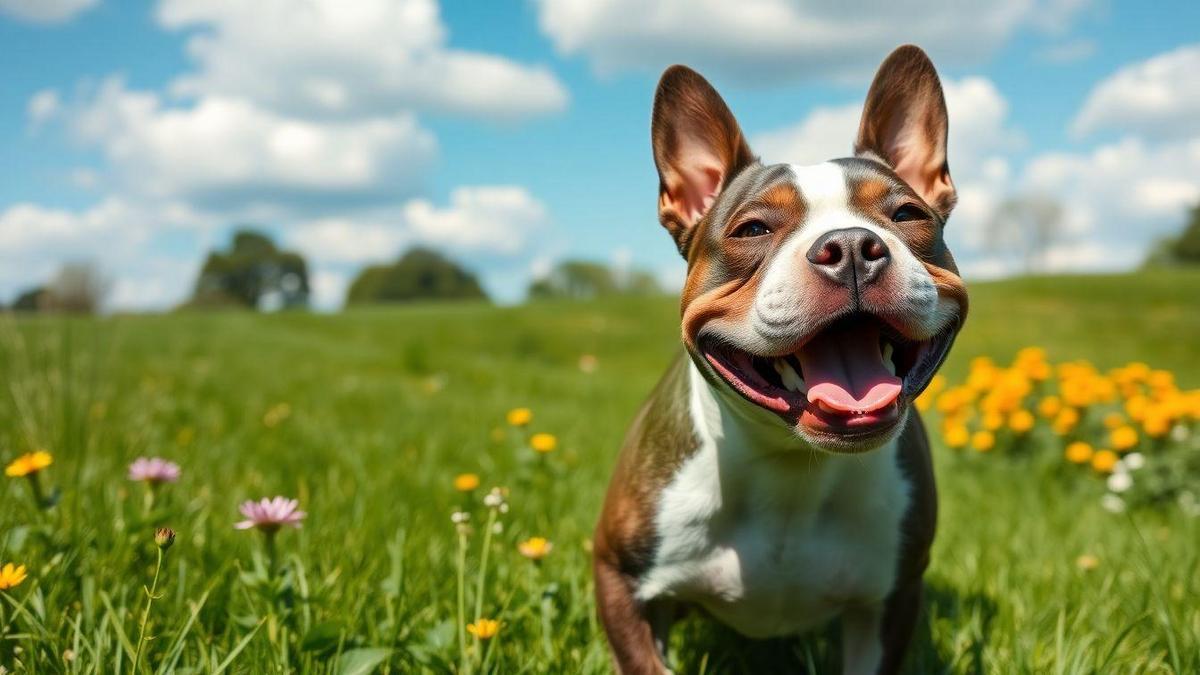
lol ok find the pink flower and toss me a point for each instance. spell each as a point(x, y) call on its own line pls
point(269, 515)
point(153, 470)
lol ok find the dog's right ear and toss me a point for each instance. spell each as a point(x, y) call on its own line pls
point(698, 147)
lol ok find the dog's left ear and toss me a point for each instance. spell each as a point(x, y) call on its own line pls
point(698, 147)
point(904, 123)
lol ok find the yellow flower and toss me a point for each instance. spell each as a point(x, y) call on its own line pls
point(465, 482)
point(1156, 424)
point(519, 417)
point(535, 548)
point(29, 463)
point(1123, 438)
point(1104, 461)
point(11, 576)
point(1021, 421)
point(1079, 452)
point(1048, 407)
point(543, 442)
point(957, 436)
point(1066, 420)
point(983, 441)
point(1113, 420)
point(992, 420)
point(484, 629)
point(1087, 562)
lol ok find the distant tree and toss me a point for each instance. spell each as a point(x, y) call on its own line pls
point(1186, 248)
point(583, 279)
point(1027, 226)
point(419, 274)
point(77, 288)
point(29, 300)
point(253, 273)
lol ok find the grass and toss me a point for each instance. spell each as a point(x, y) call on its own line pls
point(366, 418)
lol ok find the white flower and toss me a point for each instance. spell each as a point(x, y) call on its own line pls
point(495, 500)
point(1134, 461)
point(1112, 503)
point(1179, 433)
point(1120, 481)
point(459, 517)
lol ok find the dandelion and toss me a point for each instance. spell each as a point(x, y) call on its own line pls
point(11, 576)
point(28, 464)
point(519, 417)
point(1087, 562)
point(466, 482)
point(1112, 503)
point(268, 515)
point(1049, 406)
point(1079, 452)
point(153, 471)
point(1123, 438)
point(1156, 423)
point(543, 442)
point(992, 420)
point(535, 548)
point(163, 538)
point(957, 436)
point(1104, 461)
point(1065, 421)
point(983, 441)
point(1134, 461)
point(1021, 421)
point(1119, 481)
point(1113, 420)
point(484, 629)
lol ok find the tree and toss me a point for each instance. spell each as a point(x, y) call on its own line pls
point(1026, 225)
point(253, 273)
point(29, 300)
point(77, 288)
point(420, 274)
point(583, 279)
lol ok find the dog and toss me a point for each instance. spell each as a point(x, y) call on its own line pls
point(777, 478)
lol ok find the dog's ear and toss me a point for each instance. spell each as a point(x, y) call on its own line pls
point(698, 147)
point(904, 123)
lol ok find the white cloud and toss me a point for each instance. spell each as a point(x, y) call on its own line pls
point(333, 58)
point(779, 39)
point(328, 289)
point(45, 11)
point(43, 106)
point(227, 153)
point(1158, 97)
point(493, 218)
point(1071, 51)
point(348, 240)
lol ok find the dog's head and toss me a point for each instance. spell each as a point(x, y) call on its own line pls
point(824, 294)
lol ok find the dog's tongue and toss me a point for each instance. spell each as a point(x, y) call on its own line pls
point(844, 370)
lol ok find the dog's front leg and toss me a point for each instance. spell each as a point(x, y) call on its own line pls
point(636, 632)
point(875, 639)
point(862, 643)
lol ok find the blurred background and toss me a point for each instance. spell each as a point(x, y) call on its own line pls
point(188, 153)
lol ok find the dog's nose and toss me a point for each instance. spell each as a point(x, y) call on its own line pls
point(853, 257)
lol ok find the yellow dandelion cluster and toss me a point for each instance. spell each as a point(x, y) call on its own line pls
point(1093, 417)
point(535, 548)
point(543, 442)
point(466, 482)
point(484, 629)
point(28, 464)
point(519, 417)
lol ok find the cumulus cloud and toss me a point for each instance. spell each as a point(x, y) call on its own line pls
point(228, 153)
point(45, 11)
point(770, 40)
point(43, 106)
point(494, 218)
point(332, 58)
point(1158, 97)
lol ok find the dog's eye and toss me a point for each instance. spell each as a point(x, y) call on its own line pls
point(909, 212)
point(752, 228)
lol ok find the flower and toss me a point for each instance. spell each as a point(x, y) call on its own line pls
point(269, 515)
point(992, 420)
point(11, 576)
point(1120, 481)
point(1134, 461)
point(1079, 452)
point(1123, 438)
point(535, 548)
point(1066, 420)
point(28, 464)
point(1021, 421)
point(484, 629)
point(1104, 461)
point(1113, 420)
point(465, 482)
point(983, 441)
point(1087, 562)
point(1048, 407)
point(494, 499)
point(957, 436)
point(543, 442)
point(1112, 503)
point(460, 517)
point(164, 537)
point(153, 470)
point(519, 417)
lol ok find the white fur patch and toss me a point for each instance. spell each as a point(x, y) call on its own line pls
point(770, 536)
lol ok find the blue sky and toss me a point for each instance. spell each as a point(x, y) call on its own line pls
point(515, 134)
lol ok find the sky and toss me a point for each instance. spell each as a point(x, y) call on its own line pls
point(514, 134)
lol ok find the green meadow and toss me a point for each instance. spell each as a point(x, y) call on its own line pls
point(367, 417)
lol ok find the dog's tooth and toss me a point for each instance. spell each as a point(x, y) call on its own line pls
point(888, 352)
point(791, 379)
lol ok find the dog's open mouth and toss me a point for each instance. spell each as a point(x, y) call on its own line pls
point(850, 378)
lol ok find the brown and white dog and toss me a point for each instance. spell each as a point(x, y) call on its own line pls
point(777, 478)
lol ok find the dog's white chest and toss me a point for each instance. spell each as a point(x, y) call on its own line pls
point(776, 546)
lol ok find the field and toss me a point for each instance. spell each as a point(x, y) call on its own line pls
point(367, 418)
